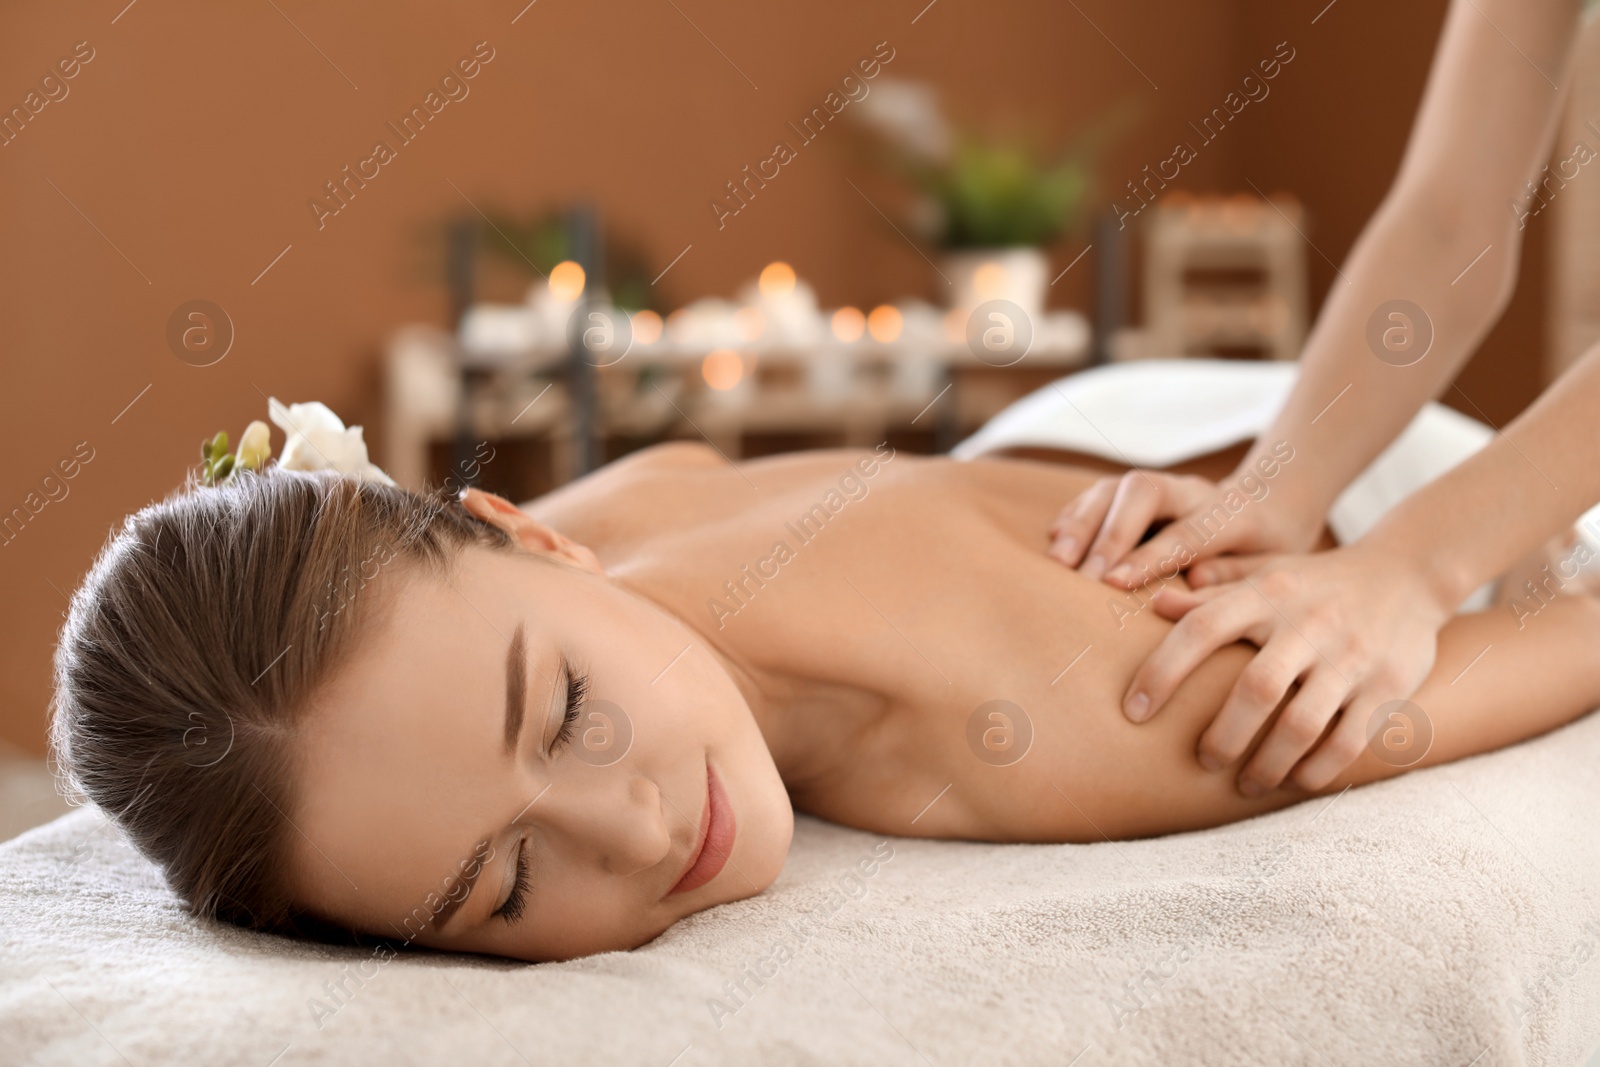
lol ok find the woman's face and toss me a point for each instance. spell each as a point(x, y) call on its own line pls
point(529, 760)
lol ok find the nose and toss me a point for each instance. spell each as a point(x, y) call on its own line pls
point(615, 819)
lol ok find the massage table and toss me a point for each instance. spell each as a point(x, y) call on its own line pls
point(1449, 916)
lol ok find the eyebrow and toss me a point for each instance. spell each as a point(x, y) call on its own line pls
point(516, 689)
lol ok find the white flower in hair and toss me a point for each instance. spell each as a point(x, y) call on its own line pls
point(319, 441)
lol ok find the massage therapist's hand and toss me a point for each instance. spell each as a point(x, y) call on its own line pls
point(1099, 532)
point(1357, 627)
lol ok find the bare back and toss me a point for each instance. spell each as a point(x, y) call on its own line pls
point(902, 605)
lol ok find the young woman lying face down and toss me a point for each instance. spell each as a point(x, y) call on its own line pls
point(323, 705)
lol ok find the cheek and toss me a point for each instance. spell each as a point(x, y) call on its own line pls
point(767, 826)
point(762, 809)
point(581, 916)
point(682, 708)
point(667, 686)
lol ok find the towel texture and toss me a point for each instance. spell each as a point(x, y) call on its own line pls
point(1443, 917)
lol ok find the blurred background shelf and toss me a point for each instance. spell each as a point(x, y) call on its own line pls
point(552, 375)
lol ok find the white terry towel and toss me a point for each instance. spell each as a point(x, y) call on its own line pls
point(1446, 917)
point(1158, 412)
point(1155, 413)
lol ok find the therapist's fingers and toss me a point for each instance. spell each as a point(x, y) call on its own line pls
point(1303, 721)
point(1077, 523)
point(1173, 602)
point(1222, 569)
point(1197, 635)
point(1340, 749)
point(1174, 548)
point(1137, 502)
point(1256, 693)
point(1141, 499)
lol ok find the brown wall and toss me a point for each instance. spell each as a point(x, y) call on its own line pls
point(191, 143)
point(1336, 139)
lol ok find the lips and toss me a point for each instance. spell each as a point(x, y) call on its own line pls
point(713, 841)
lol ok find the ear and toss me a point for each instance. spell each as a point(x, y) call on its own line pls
point(528, 532)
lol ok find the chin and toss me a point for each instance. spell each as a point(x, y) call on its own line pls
point(770, 845)
point(765, 820)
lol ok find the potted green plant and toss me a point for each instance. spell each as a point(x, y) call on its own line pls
point(991, 204)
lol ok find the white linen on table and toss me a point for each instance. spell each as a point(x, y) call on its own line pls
point(1159, 412)
point(1447, 916)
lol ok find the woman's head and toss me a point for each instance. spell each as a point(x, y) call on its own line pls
point(300, 695)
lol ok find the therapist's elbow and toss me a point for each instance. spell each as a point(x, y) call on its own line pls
point(1447, 205)
point(1468, 249)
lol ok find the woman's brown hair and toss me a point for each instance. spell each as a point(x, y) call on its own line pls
point(204, 629)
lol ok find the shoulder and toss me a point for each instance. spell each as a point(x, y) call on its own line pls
point(654, 482)
point(669, 455)
point(647, 466)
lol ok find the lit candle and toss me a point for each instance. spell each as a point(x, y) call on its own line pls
point(566, 280)
point(885, 323)
point(849, 324)
point(646, 326)
point(722, 368)
point(777, 279)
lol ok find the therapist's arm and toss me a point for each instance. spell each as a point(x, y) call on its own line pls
point(1446, 238)
point(1360, 622)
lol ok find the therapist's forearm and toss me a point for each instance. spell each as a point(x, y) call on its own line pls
point(1445, 239)
point(1472, 523)
point(1348, 405)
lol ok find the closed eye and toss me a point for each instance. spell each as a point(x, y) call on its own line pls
point(511, 910)
point(577, 690)
point(516, 900)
